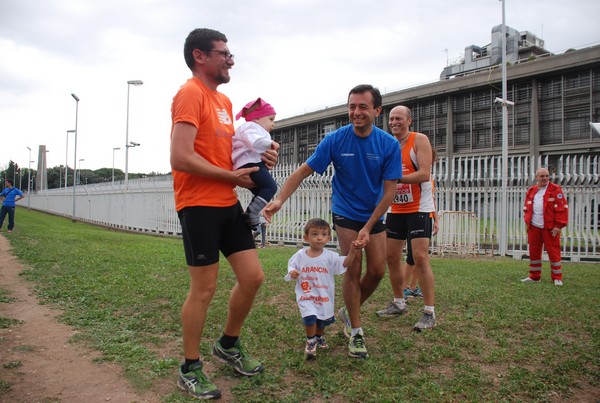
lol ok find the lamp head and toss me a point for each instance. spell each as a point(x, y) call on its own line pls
point(595, 128)
point(135, 82)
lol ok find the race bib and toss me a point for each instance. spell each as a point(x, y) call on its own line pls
point(403, 194)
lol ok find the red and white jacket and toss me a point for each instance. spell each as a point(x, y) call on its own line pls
point(556, 209)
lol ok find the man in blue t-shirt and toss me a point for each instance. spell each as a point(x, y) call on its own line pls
point(9, 194)
point(367, 164)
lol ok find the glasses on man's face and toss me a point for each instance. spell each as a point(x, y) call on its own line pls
point(225, 54)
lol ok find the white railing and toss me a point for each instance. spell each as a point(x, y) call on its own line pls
point(458, 233)
point(468, 191)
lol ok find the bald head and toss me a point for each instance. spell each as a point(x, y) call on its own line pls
point(402, 110)
point(542, 176)
point(400, 121)
point(542, 171)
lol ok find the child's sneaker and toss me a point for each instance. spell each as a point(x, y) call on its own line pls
point(311, 348)
point(197, 384)
point(237, 358)
point(322, 343)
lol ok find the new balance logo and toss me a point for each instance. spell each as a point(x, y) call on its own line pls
point(224, 116)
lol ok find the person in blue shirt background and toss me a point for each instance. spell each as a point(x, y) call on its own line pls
point(10, 196)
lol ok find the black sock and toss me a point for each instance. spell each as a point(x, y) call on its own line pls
point(185, 368)
point(228, 341)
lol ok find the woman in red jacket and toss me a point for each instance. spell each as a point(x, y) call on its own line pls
point(545, 212)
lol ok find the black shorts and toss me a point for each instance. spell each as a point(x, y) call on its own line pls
point(343, 222)
point(408, 226)
point(208, 230)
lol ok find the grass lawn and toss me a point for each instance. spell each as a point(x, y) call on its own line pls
point(496, 339)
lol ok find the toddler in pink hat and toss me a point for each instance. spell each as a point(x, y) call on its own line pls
point(251, 140)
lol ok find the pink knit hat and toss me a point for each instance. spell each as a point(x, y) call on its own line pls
point(255, 110)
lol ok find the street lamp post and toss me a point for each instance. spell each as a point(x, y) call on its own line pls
point(113, 168)
point(127, 145)
point(67, 159)
point(76, 98)
point(78, 176)
point(503, 244)
point(29, 182)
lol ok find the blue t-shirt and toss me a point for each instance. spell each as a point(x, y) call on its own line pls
point(361, 165)
point(10, 194)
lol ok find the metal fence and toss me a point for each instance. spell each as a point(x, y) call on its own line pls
point(468, 197)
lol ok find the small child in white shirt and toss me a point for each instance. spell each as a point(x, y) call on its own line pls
point(314, 269)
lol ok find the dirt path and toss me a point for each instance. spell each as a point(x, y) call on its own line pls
point(52, 369)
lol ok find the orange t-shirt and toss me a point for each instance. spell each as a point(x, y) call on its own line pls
point(211, 113)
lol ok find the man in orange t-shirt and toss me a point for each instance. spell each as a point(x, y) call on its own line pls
point(209, 211)
point(410, 218)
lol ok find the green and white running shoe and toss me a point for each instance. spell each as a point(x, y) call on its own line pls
point(356, 346)
point(343, 315)
point(236, 357)
point(197, 384)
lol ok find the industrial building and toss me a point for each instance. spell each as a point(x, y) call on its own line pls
point(555, 97)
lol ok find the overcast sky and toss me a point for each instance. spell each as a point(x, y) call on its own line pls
point(299, 55)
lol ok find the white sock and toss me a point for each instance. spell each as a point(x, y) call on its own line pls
point(355, 331)
point(399, 301)
point(430, 309)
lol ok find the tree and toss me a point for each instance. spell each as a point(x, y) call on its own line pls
point(56, 176)
point(11, 171)
point(106, 174)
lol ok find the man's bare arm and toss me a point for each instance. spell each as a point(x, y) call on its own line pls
point(288, 188)
point(185, 159)
point(424, 161)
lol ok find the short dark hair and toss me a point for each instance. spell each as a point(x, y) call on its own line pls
point(11, 182)
point(316, 223)
point(202, 39)
point(362, 88)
